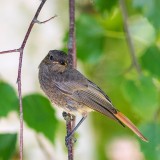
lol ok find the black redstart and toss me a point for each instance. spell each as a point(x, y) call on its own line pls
point(67, 88)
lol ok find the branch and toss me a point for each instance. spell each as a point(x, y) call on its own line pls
point(39, 22)
point(69, 128)
point(10, 51)
point(128, 36)
point(70, 119)
point(21, 50)
point(72, 41)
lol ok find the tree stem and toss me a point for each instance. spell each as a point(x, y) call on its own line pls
point(21, 50)
point(128, 37)
point(70, 122)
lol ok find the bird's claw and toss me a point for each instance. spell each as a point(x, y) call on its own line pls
point(70, 138)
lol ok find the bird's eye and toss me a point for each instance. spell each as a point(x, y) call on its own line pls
point(62, 62)
point(51, 58)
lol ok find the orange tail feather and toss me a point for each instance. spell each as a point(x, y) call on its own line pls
point(130, 125)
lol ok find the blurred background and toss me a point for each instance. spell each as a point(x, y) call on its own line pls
point(104, 57)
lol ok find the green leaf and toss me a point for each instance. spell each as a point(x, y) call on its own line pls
point(8, 99)
point(90, 38)
point(103, 5)
point(142, 31)
point(150, 9)
point(142, 95)
point(40, 115)
point(7, 145)
point(151, 149)
point(150, 61)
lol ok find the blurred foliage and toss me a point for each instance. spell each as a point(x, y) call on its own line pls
point(8, 99)
point(150, 9)
point(143, 95)
point(151, 149)
point(92, 36)
point(103, 53)
point(7, 145)
point(38, 113)
point(148, 63)
point(102, 5)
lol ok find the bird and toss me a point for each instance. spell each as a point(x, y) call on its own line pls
point(70, 90)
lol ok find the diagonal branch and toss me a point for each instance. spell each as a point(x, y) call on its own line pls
point(21, 50)
point(128, 36)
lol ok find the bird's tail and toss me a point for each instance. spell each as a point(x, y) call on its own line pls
point(130, 125)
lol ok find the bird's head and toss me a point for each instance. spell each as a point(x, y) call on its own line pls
point(56, 61)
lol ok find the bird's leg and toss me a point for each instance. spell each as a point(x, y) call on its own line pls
point(75, 128)
point(65, 115)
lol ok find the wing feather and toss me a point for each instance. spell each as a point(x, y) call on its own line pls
point(89, 94)
point(86, 92)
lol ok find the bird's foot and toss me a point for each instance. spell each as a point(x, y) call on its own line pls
point(70, 139)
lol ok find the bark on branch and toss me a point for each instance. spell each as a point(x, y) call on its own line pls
point(21, 51)
point(128, 37)
point(70, 121)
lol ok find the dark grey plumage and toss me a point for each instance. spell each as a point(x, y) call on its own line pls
point(69, 89)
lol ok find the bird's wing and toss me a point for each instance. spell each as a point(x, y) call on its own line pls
point(70, 81)
point(93, 97)
point(96, 99)
point(72, 84)
point(86, 92)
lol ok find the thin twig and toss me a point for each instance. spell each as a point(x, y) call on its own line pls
point(42, 22)
point(70, 122)
point(9, 51)
point(19, 75)
point(128, 36)
point(20, 50)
